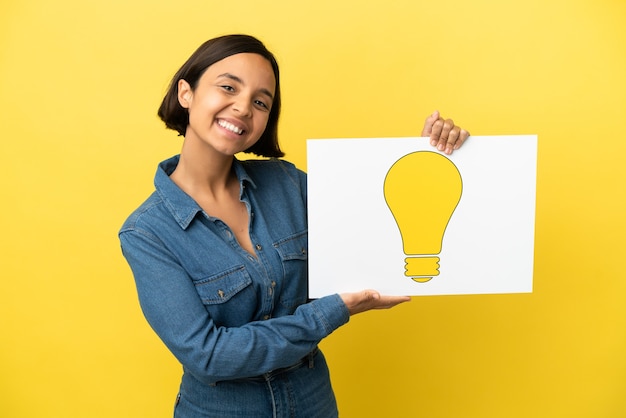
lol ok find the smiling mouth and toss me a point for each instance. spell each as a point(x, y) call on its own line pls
point(230, 127)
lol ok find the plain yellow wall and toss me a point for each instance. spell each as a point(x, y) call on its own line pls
point(80, 82)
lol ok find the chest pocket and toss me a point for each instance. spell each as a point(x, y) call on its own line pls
point(293, 252)
point(222, 286)
point(228, 296)
point(295, 247)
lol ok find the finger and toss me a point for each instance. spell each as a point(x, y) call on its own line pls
point(370, 299)
point(428, 123)
point(435, 132)
point(448, 126)
point(386, 302)
point(444, 132)
point(456, 138)
point(463, 135)
point(453, 137)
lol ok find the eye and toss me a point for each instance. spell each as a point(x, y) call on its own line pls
point(228, 88)
point(261, 104)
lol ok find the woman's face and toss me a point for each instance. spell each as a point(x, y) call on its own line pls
point(229, 108)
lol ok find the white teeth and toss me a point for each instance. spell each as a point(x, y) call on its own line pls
point(230, 127)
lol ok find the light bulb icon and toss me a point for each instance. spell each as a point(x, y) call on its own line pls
point(422, 190)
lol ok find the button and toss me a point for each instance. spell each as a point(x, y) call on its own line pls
point(221, 293)
point(273, 283)
point(266, 317)
point(258, 247)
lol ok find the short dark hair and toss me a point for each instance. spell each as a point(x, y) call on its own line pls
point(176, 117)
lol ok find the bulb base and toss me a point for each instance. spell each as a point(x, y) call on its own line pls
point(421, 269)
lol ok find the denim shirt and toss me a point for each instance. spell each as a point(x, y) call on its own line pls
point(224, 313)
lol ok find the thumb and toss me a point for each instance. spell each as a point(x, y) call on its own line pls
point(372, 295)
point(430, 121)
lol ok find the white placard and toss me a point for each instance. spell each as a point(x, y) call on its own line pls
point(356, 242)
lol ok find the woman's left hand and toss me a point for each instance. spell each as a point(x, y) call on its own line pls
point(443, 133)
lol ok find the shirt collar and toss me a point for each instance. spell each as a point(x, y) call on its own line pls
point(182, 207)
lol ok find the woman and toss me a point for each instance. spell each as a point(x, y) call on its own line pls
point(219, 250)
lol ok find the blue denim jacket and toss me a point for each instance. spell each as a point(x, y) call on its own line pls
point(222, 312)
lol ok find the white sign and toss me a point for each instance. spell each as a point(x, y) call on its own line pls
point(396, 215)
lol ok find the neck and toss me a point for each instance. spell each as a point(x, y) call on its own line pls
point(200, 171)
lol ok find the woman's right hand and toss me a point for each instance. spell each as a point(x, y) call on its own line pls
point(370, 299)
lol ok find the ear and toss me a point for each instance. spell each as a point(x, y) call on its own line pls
point(184, 93)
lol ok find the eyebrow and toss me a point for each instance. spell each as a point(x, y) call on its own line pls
point(240, 81)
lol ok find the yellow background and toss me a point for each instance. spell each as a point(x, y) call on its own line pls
point(80, 82)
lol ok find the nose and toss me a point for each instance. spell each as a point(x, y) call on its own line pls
point(243, 106)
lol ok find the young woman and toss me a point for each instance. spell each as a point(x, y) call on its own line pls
point(219, 250)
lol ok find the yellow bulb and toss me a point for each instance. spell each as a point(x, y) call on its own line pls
point(422, 190)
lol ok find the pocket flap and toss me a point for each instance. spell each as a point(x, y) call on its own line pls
point(294, 247)
point(221, 287)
